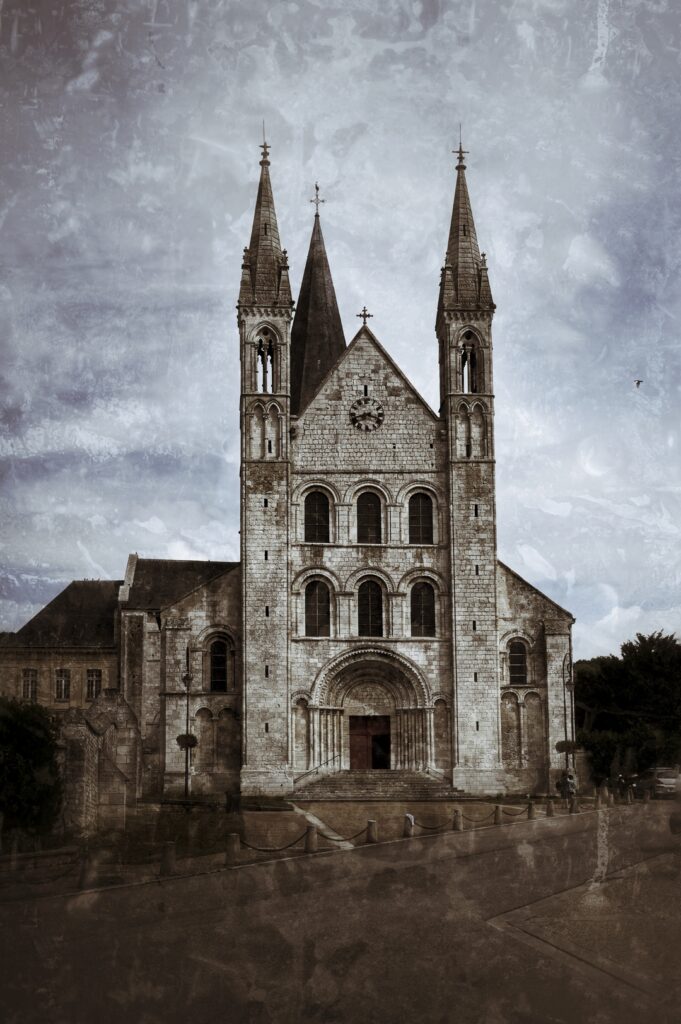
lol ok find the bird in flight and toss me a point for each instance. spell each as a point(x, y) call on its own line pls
point(638, 383)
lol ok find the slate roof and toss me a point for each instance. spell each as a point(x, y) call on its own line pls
point(83, 615)
point(160, 582)
point(317, 339)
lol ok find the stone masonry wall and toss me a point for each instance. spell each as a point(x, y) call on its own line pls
point(405, 454)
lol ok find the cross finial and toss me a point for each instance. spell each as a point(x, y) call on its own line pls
point(316, 199)
point(264, 147)
point(365, 315)
point(460, 153)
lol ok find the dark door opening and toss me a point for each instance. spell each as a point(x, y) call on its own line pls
point(369, 741)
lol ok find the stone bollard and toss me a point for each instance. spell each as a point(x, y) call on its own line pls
point(168, 858)
point(498, 819)
point(574, 806)
point(408, 826)
point(630, 795)
point(530, 811)
point(233, 849)
point(550, 810)
point(372, 831)
point(311, 839)
point(457, 825)
point(646, 796)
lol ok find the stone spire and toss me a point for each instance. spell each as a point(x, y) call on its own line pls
point(317, 339)
point(264, 276)
point(464, 283)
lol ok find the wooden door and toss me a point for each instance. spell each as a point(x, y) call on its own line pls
point(369, 742)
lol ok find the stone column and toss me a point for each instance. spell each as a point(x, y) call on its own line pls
point(430, 725)
point(314, 737)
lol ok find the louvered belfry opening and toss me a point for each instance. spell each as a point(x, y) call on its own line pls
point(370, 609)
point(317, 518)
point(368, 518)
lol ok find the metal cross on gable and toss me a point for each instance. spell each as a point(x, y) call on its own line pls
point(316, 199)
point(365, 315)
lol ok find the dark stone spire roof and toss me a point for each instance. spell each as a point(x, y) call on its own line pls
point(317, 339)
point(264, 277)
point(464, 283)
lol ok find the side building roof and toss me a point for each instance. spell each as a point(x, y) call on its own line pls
point(83, 615)
point(159, 582)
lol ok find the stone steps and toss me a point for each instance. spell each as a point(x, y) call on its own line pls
point(379, 784)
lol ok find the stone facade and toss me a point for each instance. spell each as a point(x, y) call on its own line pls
point(369, 626)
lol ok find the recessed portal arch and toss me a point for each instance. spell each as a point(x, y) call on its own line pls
point(371, 709)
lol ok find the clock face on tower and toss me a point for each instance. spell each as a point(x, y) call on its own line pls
point(366, 414)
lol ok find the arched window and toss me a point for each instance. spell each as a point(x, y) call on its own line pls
point(370, 609)
point(469, 364)
point(317, 609)
point(517, 663)
point(317, 518)
point(265, 361)
point(420, 519)
point(368, 518)
point(422, 610)
point(218, 666)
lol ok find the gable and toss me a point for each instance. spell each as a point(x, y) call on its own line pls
point(517, 598)
point(161, 583)
point(408, 427)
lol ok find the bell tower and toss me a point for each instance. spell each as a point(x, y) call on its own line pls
point(464, 332)
point(264, 314)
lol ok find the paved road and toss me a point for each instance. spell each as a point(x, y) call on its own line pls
point(471, 939)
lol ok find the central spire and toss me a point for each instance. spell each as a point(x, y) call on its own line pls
point(264, 279)
point(317, 339)
point(464, 277)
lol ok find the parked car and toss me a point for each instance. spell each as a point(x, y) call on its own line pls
point(659, 782)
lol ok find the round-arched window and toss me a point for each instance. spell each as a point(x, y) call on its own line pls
point(317, 609)
point(219, 656)
point(517, 663)
point(422, 610)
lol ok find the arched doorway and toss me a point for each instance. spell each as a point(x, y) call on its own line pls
point(371, 711)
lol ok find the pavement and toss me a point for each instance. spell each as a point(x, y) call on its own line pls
point(471, 939)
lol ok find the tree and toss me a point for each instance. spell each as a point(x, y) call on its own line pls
point(30, 785)
point(629, 708)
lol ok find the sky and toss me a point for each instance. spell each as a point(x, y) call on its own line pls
point(129, 136)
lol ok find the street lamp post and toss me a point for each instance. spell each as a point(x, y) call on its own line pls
point(187, 680)
point(567, 688)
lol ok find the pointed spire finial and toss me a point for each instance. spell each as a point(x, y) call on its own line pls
point(264, 147)
point(316, 199)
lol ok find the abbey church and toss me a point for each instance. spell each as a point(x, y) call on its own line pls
point(369, 642)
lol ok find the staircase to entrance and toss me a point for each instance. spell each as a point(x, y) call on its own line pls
point(375, 784)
